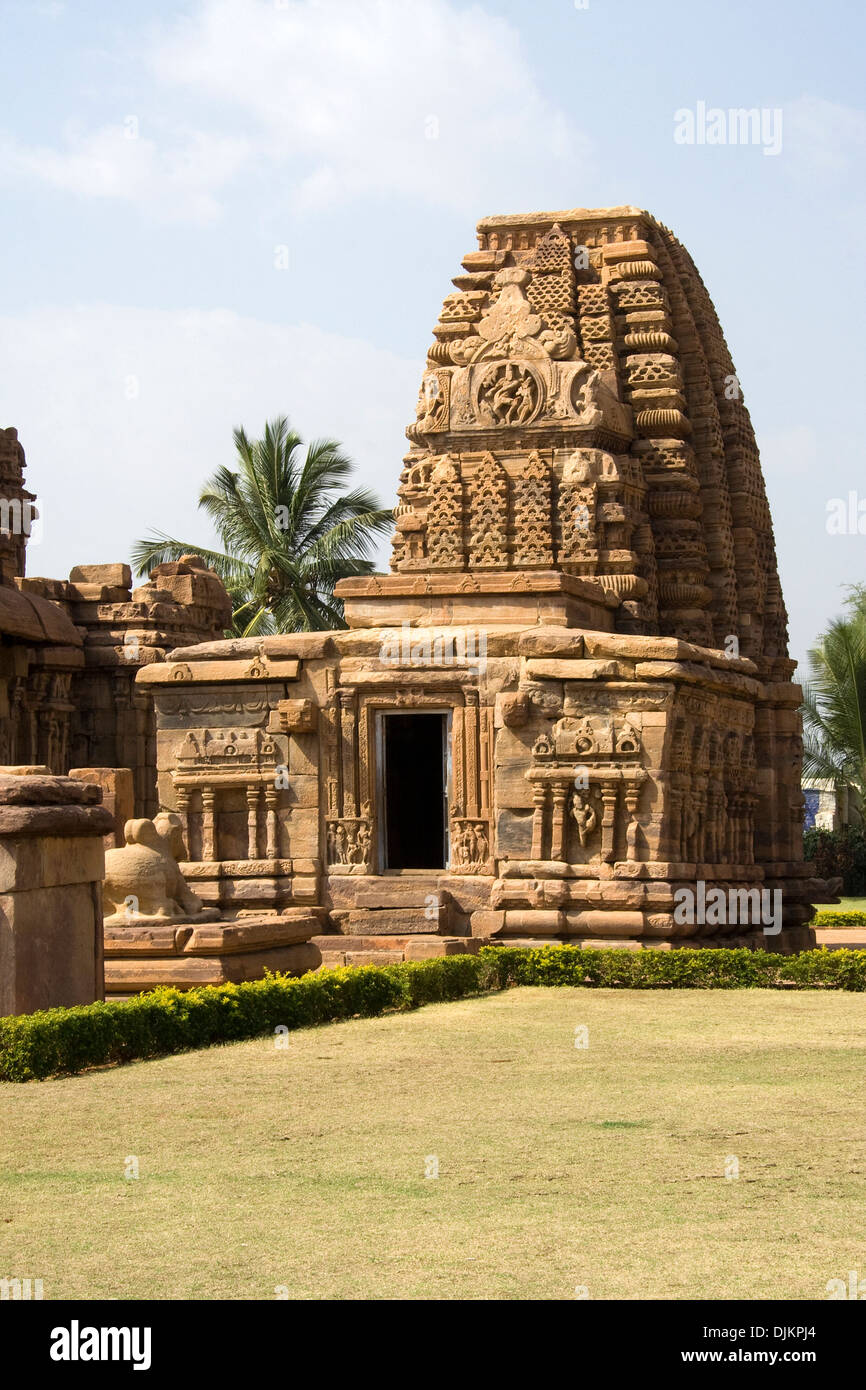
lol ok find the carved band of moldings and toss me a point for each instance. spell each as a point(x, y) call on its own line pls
point(655, 423)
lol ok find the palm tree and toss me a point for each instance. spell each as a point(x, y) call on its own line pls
point(834, 701)
point(288, 534)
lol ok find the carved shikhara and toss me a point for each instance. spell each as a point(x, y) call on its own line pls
point(581, 528)
point(533, 359)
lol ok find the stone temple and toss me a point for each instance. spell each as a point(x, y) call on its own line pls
point(570, 699)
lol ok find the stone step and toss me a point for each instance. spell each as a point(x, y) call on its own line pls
point(387, 890)
point(394, 921)
point(338, 951)
point(334, 960)
point(336, 941)
point(186, 972)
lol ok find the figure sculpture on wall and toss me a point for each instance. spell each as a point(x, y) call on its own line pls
point(585, 818)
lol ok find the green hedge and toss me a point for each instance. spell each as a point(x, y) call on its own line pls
point(851, 918)
point(59, 1041)
point(55, 1041)
point(679, 969)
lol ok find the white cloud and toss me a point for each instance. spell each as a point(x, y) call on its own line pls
point(336, 98)
point(424, 98)
point(176, 181)
point(124, 412)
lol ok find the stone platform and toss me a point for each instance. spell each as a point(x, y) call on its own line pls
point(187, 954)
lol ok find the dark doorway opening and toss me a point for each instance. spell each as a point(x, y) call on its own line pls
point(414, 790)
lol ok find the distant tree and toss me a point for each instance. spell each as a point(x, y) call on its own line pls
point(834, 702)
point(288, 533)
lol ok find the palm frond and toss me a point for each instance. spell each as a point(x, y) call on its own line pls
point(288, 532)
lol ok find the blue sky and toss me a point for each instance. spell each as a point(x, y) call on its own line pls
point(159, 163)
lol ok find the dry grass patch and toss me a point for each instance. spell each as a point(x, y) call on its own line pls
point(558, 1166)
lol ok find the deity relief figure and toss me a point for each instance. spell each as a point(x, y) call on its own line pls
point(470, 845)
point(363, 843)
point(349, 843)
point(585, 818)
point(482, 846)
point(510, 394)
point(432, 409)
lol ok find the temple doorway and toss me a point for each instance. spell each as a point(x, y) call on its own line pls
point(414, 790)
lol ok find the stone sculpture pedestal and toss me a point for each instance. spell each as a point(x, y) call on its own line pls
point(207, 951)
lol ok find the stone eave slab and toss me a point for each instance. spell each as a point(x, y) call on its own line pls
point(259, 668)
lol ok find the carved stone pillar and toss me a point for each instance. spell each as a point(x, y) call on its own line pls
point(632, 800)
point(208, 835)
point(182, 802)
point(675, 819)
point(558, 835)
point(348, 728)
point(609, 792)
point(539, 802)
point(273, 828)
point(471, 731)
point(253, 821)
point(484, 750)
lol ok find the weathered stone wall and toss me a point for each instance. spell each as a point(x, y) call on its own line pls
point(70, 649)
point(52, 864)
point(592, 774)
point(122, 629)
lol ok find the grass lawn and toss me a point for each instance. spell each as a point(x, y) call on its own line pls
point(558, 1166)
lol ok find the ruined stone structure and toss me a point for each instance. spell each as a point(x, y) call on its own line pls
point(51, 867)
point(571, 698)
point(70, 649)
point(69, 654)
point(123, 628)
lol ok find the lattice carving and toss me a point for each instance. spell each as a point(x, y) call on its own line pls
point(533, 547)
point(488, 493)
point(445, 517)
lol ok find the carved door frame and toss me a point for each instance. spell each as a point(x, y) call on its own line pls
point(379, 715)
